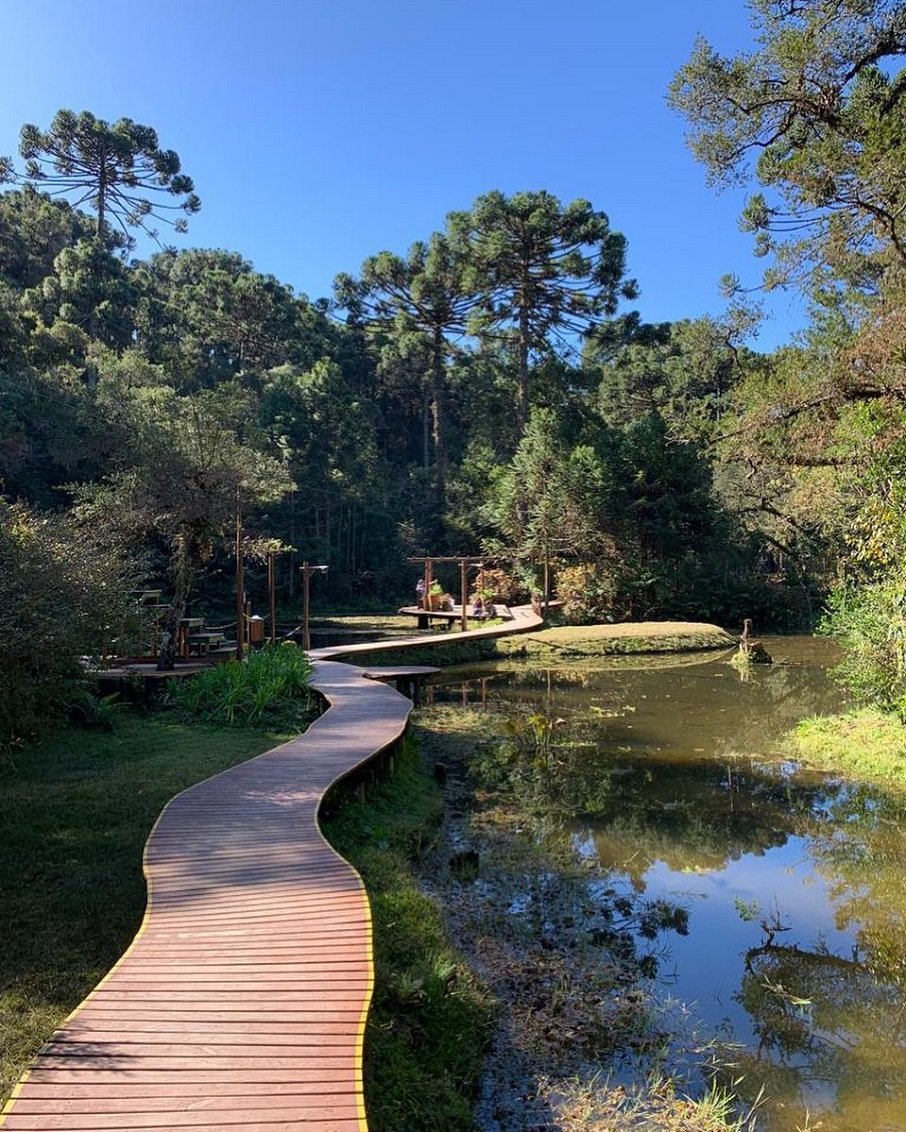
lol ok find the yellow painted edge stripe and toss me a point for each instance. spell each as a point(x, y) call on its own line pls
point(149, 886)
point(363, 1020)
point(369, 923)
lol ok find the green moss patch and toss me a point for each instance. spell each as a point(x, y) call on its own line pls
point(430, 1019)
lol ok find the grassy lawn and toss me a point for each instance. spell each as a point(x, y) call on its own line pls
point(617, 640)
point(77, 809)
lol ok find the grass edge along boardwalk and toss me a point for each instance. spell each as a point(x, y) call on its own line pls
point(242, 1000)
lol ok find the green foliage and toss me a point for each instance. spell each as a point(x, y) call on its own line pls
point(424, 297)
point(552, 498)
point(588, 591)
point(430, 1019)
point(34, 230)
point(443, 415)
point(685, 372)
point(268, 688)
point(542, 270)
point(865, 744)
point(818, 108)
point(208, 316)
point(870, 623)
point(113, 168)
point(62, 597)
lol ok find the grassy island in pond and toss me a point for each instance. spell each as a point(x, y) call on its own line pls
point(617, 640)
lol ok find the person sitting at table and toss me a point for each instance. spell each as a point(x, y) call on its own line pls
point(478, 609)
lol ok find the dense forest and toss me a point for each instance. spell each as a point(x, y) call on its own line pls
point(493, 389)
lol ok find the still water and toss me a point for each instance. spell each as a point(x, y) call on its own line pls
point(790, 960)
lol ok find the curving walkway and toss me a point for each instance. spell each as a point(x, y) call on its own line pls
point(524, 620)
point(242, 1000)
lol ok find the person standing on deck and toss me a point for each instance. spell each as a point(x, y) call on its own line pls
point(420, 593)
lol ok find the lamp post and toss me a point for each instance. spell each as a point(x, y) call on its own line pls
point(307, 572)
point(240, 587)
point(271, 596)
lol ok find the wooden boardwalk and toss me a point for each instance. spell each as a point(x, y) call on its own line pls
point(523, 620)
point(241, 1003)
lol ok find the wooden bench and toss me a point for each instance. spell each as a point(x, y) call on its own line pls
point(501, 612)
point(425, 616)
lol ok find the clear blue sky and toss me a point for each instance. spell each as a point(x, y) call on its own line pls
point(319, 132)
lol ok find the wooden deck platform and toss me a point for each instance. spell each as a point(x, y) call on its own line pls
point(242, 1001)
point(522, 619)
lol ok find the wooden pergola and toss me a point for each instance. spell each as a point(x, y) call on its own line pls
point(428, 562)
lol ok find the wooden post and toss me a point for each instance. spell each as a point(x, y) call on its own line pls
point(271, 593)
point(463, 566)
point(240, 588)
point(306, 636)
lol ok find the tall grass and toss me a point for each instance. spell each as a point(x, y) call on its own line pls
point(268, 688)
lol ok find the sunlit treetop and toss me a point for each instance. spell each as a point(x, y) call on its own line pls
point(119, 170)
point(817, 113)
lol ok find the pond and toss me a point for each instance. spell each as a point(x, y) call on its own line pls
point(780, 946)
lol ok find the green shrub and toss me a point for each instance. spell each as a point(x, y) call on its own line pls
point(870, 623)
point(269, 687)
point(62, 597)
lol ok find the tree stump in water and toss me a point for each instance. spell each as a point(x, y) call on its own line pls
point(750, 650)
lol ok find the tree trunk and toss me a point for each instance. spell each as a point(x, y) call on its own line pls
point(426, 429)
point(181, 569)
point(522, 391)
point(438, 414)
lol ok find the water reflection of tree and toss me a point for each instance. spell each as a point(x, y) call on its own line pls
point(826, 1026)
point(694, 816)
point(831, 1029)
point(661, 710)
point(860, 850)
point(561, 909)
